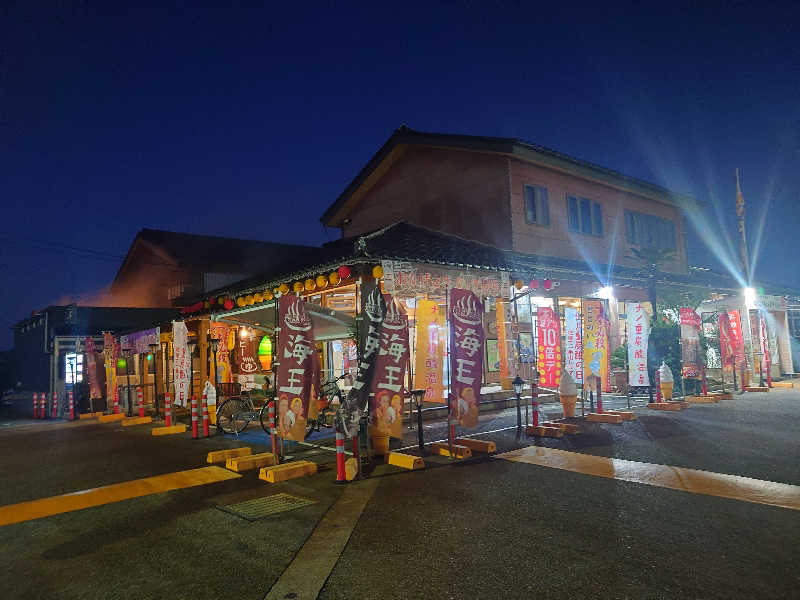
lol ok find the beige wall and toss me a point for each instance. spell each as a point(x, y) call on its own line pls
point(458, 192)
point(557, 240)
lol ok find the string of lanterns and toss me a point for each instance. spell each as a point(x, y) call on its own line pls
point(546, 284)
point(320, 282)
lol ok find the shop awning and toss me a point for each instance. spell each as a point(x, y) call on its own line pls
point(329, 324)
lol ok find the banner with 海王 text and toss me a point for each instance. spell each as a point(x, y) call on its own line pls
point(466, 355)
point(388, 384)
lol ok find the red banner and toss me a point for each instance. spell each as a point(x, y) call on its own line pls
point(691, 361)
point(386, 400)
point(737, 338)
point(727, 351)
point(92, 370)
point(549, 343)
point(296, 371)
point(466, 355)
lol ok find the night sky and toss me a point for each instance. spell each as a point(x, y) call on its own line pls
point(249, 122)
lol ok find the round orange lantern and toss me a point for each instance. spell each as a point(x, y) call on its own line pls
point(283, 288)
point(519, 284)
point(322, 281)
point(249, 299)
point(206, 304)
point(268, 295)
point(334, 278)
point(310, 284)
point(258, 297)
point(221, 300)
point(240, 301)
point(344, 272)
point(298, 286)
point(377, 271)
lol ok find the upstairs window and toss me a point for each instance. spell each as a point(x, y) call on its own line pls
point(649, 231)
point(584, 216)
point(537, 207)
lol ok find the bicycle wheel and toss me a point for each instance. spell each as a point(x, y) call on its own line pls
point(231, 416)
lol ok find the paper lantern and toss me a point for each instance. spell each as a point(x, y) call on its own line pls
point(334, 278)
point(258, 297)
point(240, 301)
point(534, 284)
point(547, 284)
point(221, 300)
point(249, 299)
point(322, 281)
point(228, 304)
point(298, 286)
point(377, 271)
point(283, 288)
point(268, 295)
point(310, 284)
point(519, 284)
point(344, 272)
point(206, 304)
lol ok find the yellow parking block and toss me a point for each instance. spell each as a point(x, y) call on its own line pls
point(722, 395)
point(110, 418)
point(169, 430)
point(248, 463)
point(756, 388)
point(544, 431)
point(626, 415)
point(350, 469)
point(93, 415)
point(702, 399)
point(127, 422)
point(477, 445)
point(442, 449)
point(567, 428)
point(405, 461)
point(663, 406)
point(604, 418)
point(221, 456)
point(286, 471)
point(782, 384)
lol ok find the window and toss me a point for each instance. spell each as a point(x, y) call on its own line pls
point(537, 208)
point(649, 231)
point(584, 216)
point(74, 368)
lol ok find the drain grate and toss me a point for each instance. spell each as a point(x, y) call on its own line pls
point(258, 508)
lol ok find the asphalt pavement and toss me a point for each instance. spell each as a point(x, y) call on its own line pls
point(482, 528)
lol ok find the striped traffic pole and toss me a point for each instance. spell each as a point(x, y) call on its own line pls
point(35, 405)
point(71, 406)
point(341, 474)
point(599, 386)
point(116, 400)
point(206, 421)
point(43, 405)
point(140, 400)
point(272, 436)
point(195, 433)
point(704, 382)
point(535, 404)
point(168, 409)
point(54, 408)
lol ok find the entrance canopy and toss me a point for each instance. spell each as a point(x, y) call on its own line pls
point(329, 324)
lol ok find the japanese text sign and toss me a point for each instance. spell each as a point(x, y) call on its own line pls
point(388, 382)
point(466, 355)
point(549, 345)
point(430, 343)
point(638, 334)
point(595, 344)
point(182, 365)
point(573, 360)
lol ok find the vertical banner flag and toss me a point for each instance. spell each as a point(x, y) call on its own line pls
point(638, 334)
point(727, 352)
point(387, 394)
point(373, 311)
point(466, 355)
point(111, 361)
point(221, 332)
point(765, 355)
point(91, 369)
point(296, 372)
point(690, 343)
point(430, 343)
point(181, 367)
point(549, 342)
point(504, 339)
point(595, 345)
point(247, 354)
point(574, 345)
point(737, 338)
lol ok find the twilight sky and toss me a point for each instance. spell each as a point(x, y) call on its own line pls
point(249, 122)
